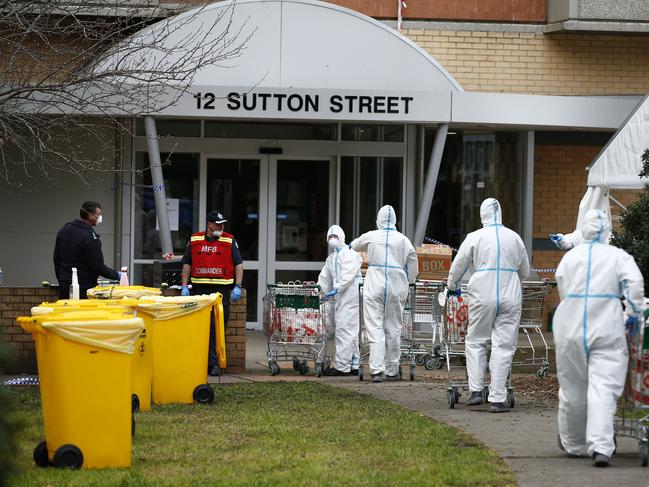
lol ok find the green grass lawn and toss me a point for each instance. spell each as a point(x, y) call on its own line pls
point(278, 434)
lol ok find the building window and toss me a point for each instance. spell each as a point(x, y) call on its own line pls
point(475, 166)
point(181, 187)
point(264, 130)
point(367, 184)
point(166, 127)
point(372, 133)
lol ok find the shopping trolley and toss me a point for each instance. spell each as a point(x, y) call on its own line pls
point(427, 325)
point(297, 324)
point(633, 411)
point(407, 343)
point(455, 322)
point(531, 325)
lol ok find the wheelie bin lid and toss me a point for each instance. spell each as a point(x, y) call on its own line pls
point(66, 305)
point(168, 307)
point(110, 330)
point(117, 292)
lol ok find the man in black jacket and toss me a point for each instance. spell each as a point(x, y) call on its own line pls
point(77, 245)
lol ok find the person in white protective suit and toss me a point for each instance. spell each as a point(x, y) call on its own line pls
point(340, 278)
point(497, 260)
point(596, 198)
point(589, 336)
point(392, 265)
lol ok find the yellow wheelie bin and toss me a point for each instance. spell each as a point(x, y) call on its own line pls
point(180, 333)
point(84, 373)
point(142, 357)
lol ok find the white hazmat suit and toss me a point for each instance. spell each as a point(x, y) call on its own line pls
point(342, 272)
point(497, 260)
point(392, 265)
point(589, 336)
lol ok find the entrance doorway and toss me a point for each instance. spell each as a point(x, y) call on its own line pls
point(279, 209)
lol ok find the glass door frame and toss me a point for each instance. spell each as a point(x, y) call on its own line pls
point(272, 263)
point(266, 264)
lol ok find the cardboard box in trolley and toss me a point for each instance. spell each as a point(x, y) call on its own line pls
point(434, 261)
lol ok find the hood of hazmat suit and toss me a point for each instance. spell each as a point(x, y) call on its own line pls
point(496, 259)
point(342, 271)
point(589, 335)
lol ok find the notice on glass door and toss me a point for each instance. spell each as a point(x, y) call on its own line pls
point(173, 213)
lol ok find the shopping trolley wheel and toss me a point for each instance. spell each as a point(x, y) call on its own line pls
point(41, 458)
point(511, 399)
point(135, 403)
point(421, 359)
point(304, 368)
point(360, 373)
point(437, 351)
point(457, 393)
point(542, 372)
point(203, 394)
point(430, 364)
point(439, 363)
point(274, 368)
point(400, 373)
point(485, 394)
point(451, 399)
point(68, 456)
point(644, 453)
point(412, 372)
point(296, 364)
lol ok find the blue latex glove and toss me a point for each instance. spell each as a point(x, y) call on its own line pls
point(457, 292)
point(557, 239)
point(184, 291)
point(631, 325)
point(235, 294)
point(331, 294)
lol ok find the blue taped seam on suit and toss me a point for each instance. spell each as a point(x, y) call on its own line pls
point(498, 259)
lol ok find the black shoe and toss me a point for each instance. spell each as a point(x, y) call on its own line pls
point(392, 377)
point(353, 372)
point(333, 372)
point(214, 371)
point(475, 399)
point(499, 407)
point(600, 460)
point(377, 377)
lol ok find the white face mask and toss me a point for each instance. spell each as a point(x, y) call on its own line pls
point(217, 233)
point(333, 242)
point(99, 219)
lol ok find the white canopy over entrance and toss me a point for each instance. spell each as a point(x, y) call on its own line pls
point(304, 60)
point(618, 163)
point(617, 166)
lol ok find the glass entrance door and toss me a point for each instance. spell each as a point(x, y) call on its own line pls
point(301, 207)
point(279, 210)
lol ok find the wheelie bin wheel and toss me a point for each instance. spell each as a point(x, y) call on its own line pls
point(135, 403)
point(40, 455)
point(203, 394)
point(68, 456)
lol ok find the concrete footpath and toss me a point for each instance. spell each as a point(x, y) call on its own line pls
point(526, 437)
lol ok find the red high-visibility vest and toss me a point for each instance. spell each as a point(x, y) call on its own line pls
point(212, 261)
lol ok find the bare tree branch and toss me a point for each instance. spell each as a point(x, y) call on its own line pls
point(61, 61)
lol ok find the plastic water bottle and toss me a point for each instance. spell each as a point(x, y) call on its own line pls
point(123, 280)
point(74, 288)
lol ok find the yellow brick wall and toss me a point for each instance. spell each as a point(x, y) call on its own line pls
point(544, 64)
